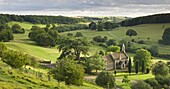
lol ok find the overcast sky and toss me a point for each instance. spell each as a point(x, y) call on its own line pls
point(130, 8)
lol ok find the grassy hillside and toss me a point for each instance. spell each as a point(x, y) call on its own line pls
point(22, 43)
point(31, 79)
point(153, 31)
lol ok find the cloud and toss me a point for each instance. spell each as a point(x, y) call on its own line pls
point(86, 7)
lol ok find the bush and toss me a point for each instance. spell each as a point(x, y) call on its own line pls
point(160, 68)
point(79, 34)
point(141, 42)
point(68, 71)
point(153, 83)
point(6, 36)
point(141, 85)
point(111, 42)
point(14, 59)
point(17, 29)
point(105, 79)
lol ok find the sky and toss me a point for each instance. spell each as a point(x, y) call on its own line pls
point(128, 8)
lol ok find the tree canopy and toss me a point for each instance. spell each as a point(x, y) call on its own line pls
point(68, 71)
point(166, 36)
point(160, 68)
point(141, 56)
point(131, 32)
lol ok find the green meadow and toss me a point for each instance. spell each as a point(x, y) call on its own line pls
point(22, 43)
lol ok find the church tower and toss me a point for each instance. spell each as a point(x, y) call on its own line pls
point(123, 48)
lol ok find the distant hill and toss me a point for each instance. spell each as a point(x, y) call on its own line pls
point(151, 19)
point(39, 19)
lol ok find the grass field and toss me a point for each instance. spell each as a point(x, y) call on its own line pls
point(153, 31)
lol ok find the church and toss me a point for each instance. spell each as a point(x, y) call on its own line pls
point(116, 60)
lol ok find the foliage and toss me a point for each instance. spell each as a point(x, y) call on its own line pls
point(166, 36)
point(111, 42)
point(153, 83)
point(125, 79)
point(44, 39)
point(131, 32)
point(73, 47)
point(92, 26)
point(79, 34)
point(153, 50)
point(129, 66)
point(160, 68)
point(136, 67)
point(35, 19)
point(141, 42)
point(34, 33)
point(100, 39)
point(16, 28)
point(158, 18)
point(14, 59)
point(93, 63)
point(100, 26)
point(105, 79)
point(68, 71)
point(141, 85)
point(3, 48)
point(113, 48)
point(143, 55)
point(6, 36)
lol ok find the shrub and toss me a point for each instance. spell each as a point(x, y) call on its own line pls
point(105, 79)
point(141, 42)
point(141, 85)
point(160, 68)
point(111, 42)
point(68, 71)
point(153, 83)
point(79, 34)
point(14, 59)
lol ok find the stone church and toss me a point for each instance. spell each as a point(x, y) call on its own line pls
point(116, 60)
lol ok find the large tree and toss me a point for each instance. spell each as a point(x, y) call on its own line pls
point(73, 47)
point(143, 55)
point(68, 71)
point(93, 63)
point(131, 32)
point(166, 36)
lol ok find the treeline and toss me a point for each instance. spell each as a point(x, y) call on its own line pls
point(35, 19)
point(158, 18)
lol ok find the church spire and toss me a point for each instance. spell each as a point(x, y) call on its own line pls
point(123, 48)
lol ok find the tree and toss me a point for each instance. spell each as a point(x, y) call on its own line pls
point(44, 39)
point(14, 59)
point(93, 63)
point(129, 65)
point(140, 85)
point(131, 32)
point(108, 25)
point(136, 67)
point(68, 71)
point(79, 34)
point(153, 50)
point(113, 48)
point(160, 68)
point(100, 26)
point(92, 26)
point(73, 47)
point(6, 36)
point(17, 29)
point(111, 42)
point(105, 80)
point(166, 36)
point(143, 55)
point(143, 66)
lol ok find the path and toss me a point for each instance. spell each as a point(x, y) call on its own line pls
point(115, 36)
